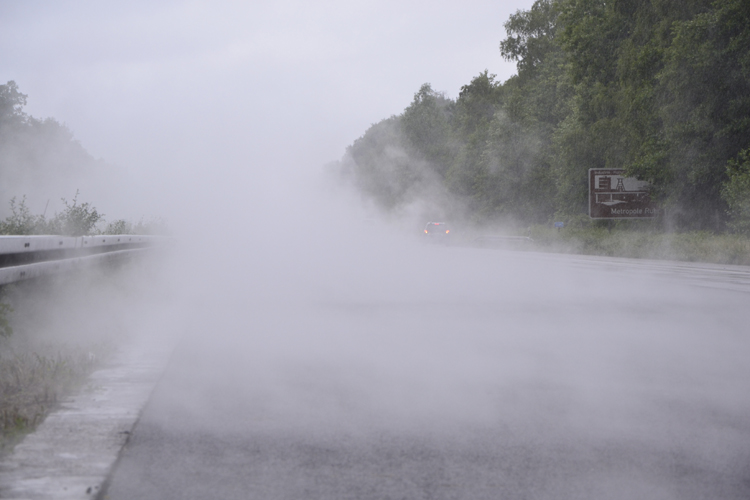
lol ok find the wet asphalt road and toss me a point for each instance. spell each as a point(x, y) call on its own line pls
point(446, 373)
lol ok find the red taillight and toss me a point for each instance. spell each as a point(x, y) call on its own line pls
point(425, 231)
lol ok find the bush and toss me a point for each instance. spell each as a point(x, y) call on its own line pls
point(76, 220)
point(21, 222)
point(120, 226)
point(736, 192)
point(154, 225)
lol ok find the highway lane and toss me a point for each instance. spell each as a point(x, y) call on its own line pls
point(445, 373)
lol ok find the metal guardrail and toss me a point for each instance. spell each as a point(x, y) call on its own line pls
point(27, 257)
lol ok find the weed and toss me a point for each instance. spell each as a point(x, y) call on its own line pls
point(31, 384)
point(695, 246)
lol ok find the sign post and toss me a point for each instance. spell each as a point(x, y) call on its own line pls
point(614, 196)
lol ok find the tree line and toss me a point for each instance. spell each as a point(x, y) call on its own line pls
point(659, 88)
point(40, 156)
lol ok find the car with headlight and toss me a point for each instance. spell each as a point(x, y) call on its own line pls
point(437, 232)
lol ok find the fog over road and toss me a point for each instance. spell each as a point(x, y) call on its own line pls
point(407, 371)
point(322, 356)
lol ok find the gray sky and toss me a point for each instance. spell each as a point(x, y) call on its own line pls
point(194, 94)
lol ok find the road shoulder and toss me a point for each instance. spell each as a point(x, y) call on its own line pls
point(71, 453)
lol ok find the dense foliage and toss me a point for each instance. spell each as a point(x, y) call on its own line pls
point(660, 88)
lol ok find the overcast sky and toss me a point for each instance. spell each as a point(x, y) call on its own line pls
point(193, 92)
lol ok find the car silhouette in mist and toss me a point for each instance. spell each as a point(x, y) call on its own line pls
point(437, 232)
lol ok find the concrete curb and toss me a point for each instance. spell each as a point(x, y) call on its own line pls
point(73, 451)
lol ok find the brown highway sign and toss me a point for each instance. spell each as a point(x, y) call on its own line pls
point(614, 196)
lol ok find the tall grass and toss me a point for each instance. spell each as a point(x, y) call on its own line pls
point(695, 246)
point(32, 384)
point(58, 329)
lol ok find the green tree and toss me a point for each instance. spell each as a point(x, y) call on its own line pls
point(520, 152)
point(475, 110)
point(11, 104)
point(379, 164)
point(736, 192)
point(427, 128)
point(531, 36)
point(592, 134)
point(658, 88)
point(38, 155)
point(706, 87)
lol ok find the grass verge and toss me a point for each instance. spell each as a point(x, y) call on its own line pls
point(696, 246)
point(54, 332)
point(32, 383)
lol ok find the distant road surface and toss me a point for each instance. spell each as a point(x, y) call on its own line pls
point(453, 373)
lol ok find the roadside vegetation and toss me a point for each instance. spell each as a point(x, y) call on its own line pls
point(48, 346)
point(659, 89)
point(53, 332)
point(40, 155)
point(32, 384)
point(76, 219)
point(644, 243)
